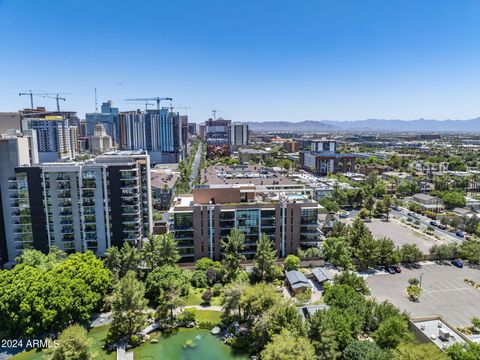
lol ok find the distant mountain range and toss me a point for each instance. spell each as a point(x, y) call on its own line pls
point(420, 125)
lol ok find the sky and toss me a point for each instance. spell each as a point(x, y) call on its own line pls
point(251, 60)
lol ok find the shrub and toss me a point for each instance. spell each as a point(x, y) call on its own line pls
point(207, 296)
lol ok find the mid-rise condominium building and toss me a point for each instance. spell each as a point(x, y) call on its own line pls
point(201, 220)
point(323, 159)
point(239, 135)
point(76, 206)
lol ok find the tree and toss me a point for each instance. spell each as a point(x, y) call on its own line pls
point(367, 251)
point(231, 300)
point(159, 250)
point(35, 301)
point(357, 231)
point(257, 299)
point(207, 296)
point(312, 253)
point(232, 255)
point(322, 337)
point(292, 262)
point(288, 346)
point(377, 313)
point(418, 352)
point(264, 257)
point(73, 344)
point(471, 251)
point(207, 272)
point(39, 260)
point(129, 304)
point(410, 253)
point(281, 316)
point(413, 292)
point(364, 350)
point(387, 252)
point(351, 279)
point(168, 301)
point(453, 199)
point(338, 252)
point(469, 351)
point(392, 332)
point(444, 251)
point(119, 262)
point(387, 203)
point(167, 278)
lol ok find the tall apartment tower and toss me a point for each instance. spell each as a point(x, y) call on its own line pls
point(15, 151)
point(54, 138)
point(79, 206)
point(101, 142)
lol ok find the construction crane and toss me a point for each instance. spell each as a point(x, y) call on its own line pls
point(171, 107)
point(157, 99)
point(32, 94)
point(56, 97)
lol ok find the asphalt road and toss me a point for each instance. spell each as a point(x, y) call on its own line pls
point(196, 162)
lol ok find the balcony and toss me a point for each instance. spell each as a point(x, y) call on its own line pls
point(88, 202)
point(66, 213)
point(89, 184)
point(88, 193)
point(65, 204)
point(89, 219)
point(64, 194)
point(90, 228)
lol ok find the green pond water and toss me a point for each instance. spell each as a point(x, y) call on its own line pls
point(204, 346)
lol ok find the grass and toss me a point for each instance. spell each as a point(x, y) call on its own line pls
point(208, 316)
point(195, 298)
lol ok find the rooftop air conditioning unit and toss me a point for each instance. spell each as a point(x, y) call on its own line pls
point(443, 334)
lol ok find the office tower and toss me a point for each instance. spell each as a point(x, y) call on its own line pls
point(324, 145)
point(203, 219)
point(78, 206)
point(202, 130)
point(192, 129)
point(100, 141)
point(53, 138)
point(239, 136)
point(10, 121)
point(15, 151)
point(108, 117)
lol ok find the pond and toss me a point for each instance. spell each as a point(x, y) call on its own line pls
point(187, 344)
point(183, 344)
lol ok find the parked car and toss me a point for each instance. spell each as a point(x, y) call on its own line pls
point(442, 227)
point(460, 234)
point(390, 270)
point(397, 268)
point(396, 208)
point(343, 215)
point(458, 263)
point(433, 223)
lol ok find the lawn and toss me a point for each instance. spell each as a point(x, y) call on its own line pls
point(195, 298)
point(208, 316)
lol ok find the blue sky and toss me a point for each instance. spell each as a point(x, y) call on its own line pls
point(253, 60)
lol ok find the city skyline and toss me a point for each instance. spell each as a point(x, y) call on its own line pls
point(251, 61)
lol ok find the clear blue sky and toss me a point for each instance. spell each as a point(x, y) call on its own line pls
point(259, 60)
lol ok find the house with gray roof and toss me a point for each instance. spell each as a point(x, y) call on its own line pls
point(297, 281)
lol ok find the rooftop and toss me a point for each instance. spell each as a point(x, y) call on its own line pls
point(438, 331)
point(297, 279)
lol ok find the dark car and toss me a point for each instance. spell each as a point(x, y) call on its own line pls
point(433, 223)
point(460, 233)
point(442, 227)
point(390, 270)
point(458, 263)
point(397, 268)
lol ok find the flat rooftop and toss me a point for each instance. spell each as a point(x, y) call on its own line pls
point(246, 174)
point(433, 329)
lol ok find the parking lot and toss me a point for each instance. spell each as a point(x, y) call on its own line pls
point(444, 292)
point(401, 234)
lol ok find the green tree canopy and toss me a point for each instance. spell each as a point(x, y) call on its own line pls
point(73, 344)
point(288, 346)
point(265, 257)
point(232, 252)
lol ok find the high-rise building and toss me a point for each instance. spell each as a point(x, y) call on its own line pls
point(203, 219)
point(108, 117)
point(162, 133)
point(53, 138)
point(239, 135)
point(76, 206)
point(15, 151)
